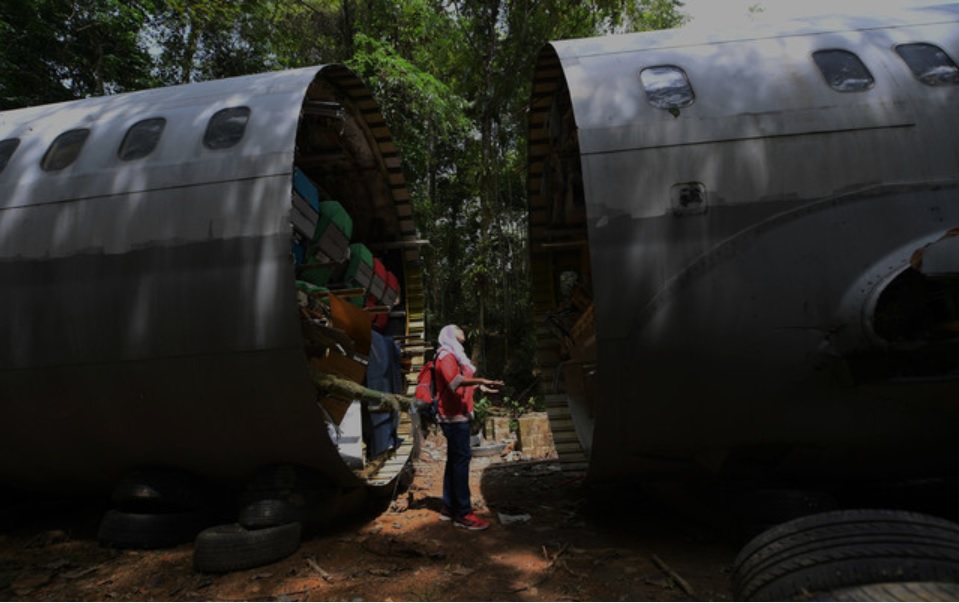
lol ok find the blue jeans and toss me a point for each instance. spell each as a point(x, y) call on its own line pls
point(456, 478)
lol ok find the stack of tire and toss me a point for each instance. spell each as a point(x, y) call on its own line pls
point(269, 524)
point(156, 508)
point(852, 555)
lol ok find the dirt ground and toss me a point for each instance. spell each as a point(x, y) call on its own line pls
point(552, 539)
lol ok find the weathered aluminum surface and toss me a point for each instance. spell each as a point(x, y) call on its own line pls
point(726, 336)
point(149, 312)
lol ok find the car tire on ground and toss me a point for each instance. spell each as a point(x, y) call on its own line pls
point(311, 497)
point(232, 547)
point(127, 530)
point(268, 513)
point(896, 591)
point(841, 549)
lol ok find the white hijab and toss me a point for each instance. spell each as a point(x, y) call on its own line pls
point(451, 345)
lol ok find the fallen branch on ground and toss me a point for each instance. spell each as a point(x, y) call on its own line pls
point(674, 575)
point(319, 570)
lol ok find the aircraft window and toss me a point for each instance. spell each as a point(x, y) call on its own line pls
point(667, 87)
point(141, 139)
point(64, 149)
point(930, 64)
point(226, 128)
point(843, 70)
point(7, 147)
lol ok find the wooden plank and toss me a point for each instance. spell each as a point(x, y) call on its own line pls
point(569, 447)
point(563, 438)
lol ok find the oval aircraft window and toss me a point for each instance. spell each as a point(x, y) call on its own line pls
point(930, 64)
point(7, 147)
point(843, 70)
point(667, 87)
point(226, 127)
point(141, 139)
point(64, 150)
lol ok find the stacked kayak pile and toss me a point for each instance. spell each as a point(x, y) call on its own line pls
point(327, 260)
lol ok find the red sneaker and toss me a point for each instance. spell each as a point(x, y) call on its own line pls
point(471, 522)
point(445, 514)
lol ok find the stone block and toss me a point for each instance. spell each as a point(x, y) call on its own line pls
point(534, 437)
point(497, 429)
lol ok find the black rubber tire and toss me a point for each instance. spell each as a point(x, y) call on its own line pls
point(839, 549)
point(232, 547)
point(126, 530)
point(896, 591)
point(311, 496)
point(268, 513)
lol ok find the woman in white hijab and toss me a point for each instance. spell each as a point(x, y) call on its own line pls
point(455, 380)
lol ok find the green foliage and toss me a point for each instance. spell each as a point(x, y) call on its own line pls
point(516, 408)
point(303, 33)
point(482, 410)
point(462, 134)
point(209, 39)
point(55, 51)
point(508, 407)
point(648, 15)
point(424, 112)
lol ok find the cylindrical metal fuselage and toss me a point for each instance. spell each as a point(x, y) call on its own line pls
point(752, 213)
point(149, 313)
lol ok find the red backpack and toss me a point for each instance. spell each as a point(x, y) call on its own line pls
point(427, 402)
